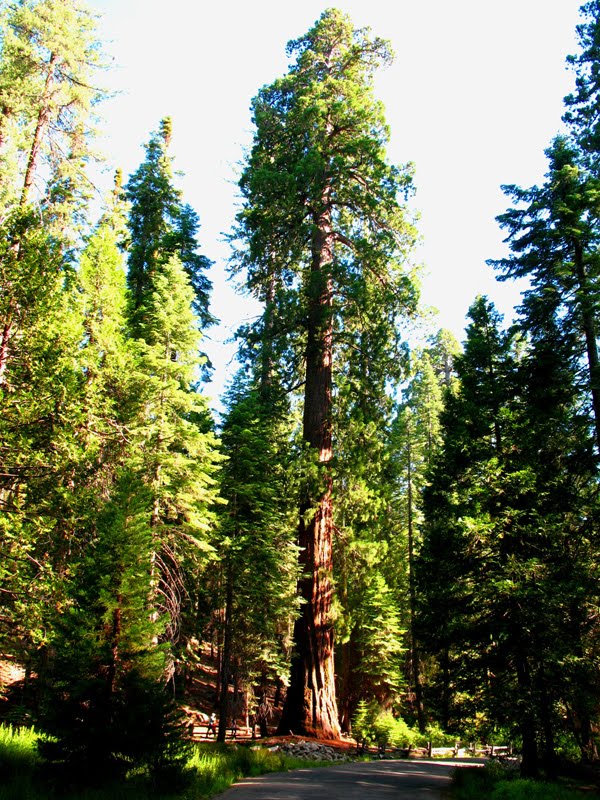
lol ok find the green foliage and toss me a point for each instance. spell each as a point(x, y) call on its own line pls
point(104, 700)
point(174, 446)
point(362, 722)
point(436, 736)
point(523, 789)
point(48, 71)
point(582, 104)
point(465, 538)
point(257, 530)
point(369, 626)
point(18, 752)
point(499, 782)
point(39, 447)
point(209, 770)
point(554, 236)
point(305, 146)
point(324, 241)
point(50, 58)
point(372, 724)
point(505, 567)
point(162, 227)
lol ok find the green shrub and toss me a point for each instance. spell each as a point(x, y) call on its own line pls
point(437, 737)
point(210, 770)
point(500, 781)
point(522, 789)
point(374, 725)
point(363, 721)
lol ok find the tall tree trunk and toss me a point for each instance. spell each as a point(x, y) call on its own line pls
point(5, 338)
point(549, 750)
point(41, 125)
point(588, 320)
point(310, 707)
point(529, 762)
point(414, 649)
point(226, 658)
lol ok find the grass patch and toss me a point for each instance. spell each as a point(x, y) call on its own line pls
point(495, 781)
point(211, 770)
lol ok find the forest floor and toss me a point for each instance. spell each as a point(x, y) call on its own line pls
point(199, 702)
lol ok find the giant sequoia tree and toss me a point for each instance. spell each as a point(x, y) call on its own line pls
point(324, 239)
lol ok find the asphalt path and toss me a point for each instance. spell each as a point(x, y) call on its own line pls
point(374, 780)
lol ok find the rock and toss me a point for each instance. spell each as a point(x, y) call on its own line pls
point(311, 751)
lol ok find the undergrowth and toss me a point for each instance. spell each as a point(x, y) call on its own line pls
point(496, 781)
point(211, 769)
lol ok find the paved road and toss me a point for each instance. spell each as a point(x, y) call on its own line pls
point(375, 780)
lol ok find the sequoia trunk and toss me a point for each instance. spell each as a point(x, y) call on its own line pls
point(310, 707)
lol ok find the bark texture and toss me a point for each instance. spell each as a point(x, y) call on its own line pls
point(310, 708)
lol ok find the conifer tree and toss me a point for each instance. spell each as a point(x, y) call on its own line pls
point(161, 226)
point(50, 60)
point(415, 439)
point(583, 103)
point(48, 74)
point(168, 307)
point(104, 680)
point(177, 449)
point(553, 235)
point(504, 571)
point(321, 212)
point(256, 541)
point(369, 556)
point(105, 702)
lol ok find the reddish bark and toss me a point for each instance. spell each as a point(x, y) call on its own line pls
point(40, 128)
point(8, 329)
point(5, 338)
point(310, 707)
point(415, 660)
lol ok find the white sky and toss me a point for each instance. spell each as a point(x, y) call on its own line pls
point(473, 99)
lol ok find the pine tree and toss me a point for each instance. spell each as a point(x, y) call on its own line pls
point(506, 566)
point(105, 702)
point(582, 104)
point(553, 236)
point(50, 60)
point(321, 213)
point(48, 71)
point(455, 499)
point(160, 227)
point(256, 545)
point(415, 439)
point(107, 357)
point(177, 448)
point(168, 307)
